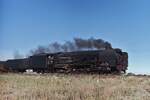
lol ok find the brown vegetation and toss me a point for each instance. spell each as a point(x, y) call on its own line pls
point(73, 87)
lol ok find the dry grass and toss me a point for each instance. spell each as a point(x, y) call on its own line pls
point(73, 87)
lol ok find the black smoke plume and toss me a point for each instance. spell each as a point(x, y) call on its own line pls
point(78, 44)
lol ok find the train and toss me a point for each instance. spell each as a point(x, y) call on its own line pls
point(88, 61)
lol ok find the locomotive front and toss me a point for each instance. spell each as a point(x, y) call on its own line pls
point(122, 60)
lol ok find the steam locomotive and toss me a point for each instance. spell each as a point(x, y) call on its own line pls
point(95, 61)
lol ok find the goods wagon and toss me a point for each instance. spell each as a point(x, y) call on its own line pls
point(17, 65)
point(2, 67)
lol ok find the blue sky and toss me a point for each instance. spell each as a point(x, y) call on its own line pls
point(25, 24)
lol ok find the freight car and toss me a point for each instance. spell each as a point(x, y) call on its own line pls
point(95, 61)
point(2, 67)
point(17, 65)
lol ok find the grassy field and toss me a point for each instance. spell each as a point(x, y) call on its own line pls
point(73, 87)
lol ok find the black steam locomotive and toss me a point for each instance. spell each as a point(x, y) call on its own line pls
point(95, 61)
